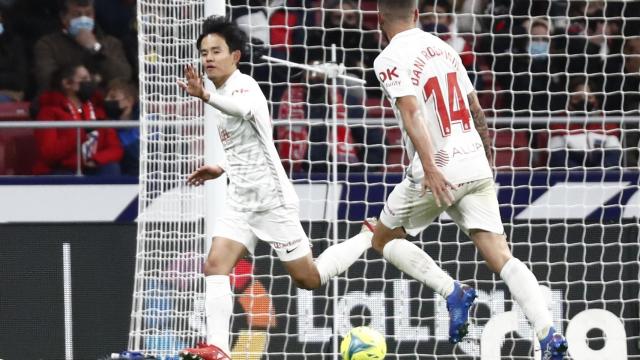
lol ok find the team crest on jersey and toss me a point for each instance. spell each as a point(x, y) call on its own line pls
point(224, 136)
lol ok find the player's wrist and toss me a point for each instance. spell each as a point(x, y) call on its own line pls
point(205, 95)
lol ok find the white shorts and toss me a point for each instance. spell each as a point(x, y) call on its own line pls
point(475, 207)
point(280, 227)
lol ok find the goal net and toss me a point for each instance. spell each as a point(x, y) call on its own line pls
point(560, 85)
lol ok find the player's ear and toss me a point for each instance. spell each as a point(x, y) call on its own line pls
point(236, 54)
point(416, 15)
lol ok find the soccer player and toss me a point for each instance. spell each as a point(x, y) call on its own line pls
point(261, 202)
point(446, 137)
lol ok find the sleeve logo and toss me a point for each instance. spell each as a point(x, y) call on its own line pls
point(388, 74)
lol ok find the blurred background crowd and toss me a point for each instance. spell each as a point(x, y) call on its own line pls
point(529, 60)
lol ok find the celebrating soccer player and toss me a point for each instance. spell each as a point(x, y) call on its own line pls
point(261, 202)
point(449, 171)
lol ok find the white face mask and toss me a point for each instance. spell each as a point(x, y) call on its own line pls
point(80, 23)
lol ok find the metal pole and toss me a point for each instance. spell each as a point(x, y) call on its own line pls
point(78, 154)
point(336, 193)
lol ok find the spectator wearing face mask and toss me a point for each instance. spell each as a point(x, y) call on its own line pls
point(538, 82)
point(121, 103)
point(80, 41)
point(13, 63)
point(70, 99)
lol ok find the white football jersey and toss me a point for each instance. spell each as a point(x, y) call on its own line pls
point(257, 180)
point(416, 63)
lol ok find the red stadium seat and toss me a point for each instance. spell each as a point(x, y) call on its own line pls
point(14, 111)
point(511, 148)
point(18, 151)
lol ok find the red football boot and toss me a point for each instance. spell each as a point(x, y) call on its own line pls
point(204, 352)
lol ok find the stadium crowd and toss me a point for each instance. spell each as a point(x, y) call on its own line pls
point(556, 60)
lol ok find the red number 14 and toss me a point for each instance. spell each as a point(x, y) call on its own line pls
point(461, 115)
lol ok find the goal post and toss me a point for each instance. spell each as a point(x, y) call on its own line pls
point(575, 224)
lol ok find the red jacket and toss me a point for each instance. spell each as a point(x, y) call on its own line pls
point(57, 148)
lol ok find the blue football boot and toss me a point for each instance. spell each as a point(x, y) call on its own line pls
point(458, 304)
point(554, 346)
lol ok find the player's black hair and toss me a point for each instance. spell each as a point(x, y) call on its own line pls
point(67, 3)
point(235, 38)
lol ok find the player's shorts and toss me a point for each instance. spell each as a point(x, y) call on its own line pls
point(475, 207)
point(280, 227)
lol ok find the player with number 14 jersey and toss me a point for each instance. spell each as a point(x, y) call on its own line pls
point(420, 64)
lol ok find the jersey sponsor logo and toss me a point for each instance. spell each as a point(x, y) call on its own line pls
point(239, 91)
point(389, 74)
point(442, 158)
point(466, 149)
point(286, 245)
point(392, 83)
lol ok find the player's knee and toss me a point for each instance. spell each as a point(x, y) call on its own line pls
point(308, 282)
point(497, 262)
point(216, 267)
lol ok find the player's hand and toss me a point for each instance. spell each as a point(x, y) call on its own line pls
point(86, 39)
point(441, 188)
point(194, 85)
point(204, 173)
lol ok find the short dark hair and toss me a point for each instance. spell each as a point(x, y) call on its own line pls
point(64, 72)
point(67, 3)
point(235, 38)
point(127, 87)
point(398, 9)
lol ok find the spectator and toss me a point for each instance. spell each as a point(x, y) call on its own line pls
point(539, 82)
point(591, 145)
point(121, 103)
point(118, 18)
point(307, 147)
point(70, 100)
point(13, 63)
point(80, 41)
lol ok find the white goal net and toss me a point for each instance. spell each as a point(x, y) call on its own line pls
point(560, 85)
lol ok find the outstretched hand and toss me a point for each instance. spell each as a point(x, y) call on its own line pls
point(194, 85)
point(204, 173)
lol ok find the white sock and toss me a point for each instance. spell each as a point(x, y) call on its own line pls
point(411, 260)
point(525, 290)
point(218, 308)
point(336, 259)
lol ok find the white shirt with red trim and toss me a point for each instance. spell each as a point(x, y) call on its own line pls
point(257, 180)
point(416, 63)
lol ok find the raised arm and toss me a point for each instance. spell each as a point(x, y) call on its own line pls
point(414, 125)
point(481, 125)
point(194, 86)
